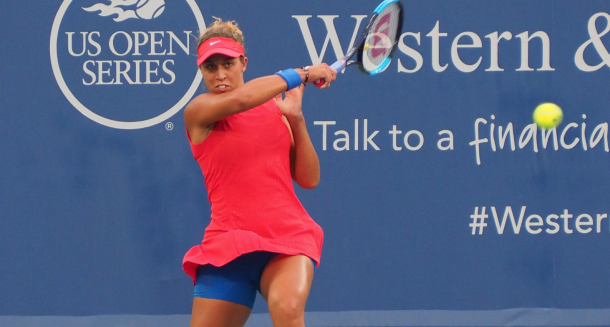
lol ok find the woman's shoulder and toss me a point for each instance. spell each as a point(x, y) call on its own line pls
point(197, 131)
point(197, 102)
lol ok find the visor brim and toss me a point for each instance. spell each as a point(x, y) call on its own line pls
point(227, 52)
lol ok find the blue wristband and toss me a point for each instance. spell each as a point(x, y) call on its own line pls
point(292, 78)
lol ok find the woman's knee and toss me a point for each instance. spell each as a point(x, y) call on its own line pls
point(288, 308)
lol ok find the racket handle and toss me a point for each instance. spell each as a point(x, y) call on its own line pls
point(339, 65)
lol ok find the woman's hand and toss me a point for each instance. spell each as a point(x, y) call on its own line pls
point(291, 104)
point(322, 71)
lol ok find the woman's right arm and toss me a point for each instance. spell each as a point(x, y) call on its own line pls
point(206, 109)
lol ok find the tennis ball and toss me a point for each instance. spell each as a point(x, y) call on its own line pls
point(149, 9)
point(548, 115)
point(366, 46)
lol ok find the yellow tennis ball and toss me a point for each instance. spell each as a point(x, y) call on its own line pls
point(548, 115)
point(366, 46)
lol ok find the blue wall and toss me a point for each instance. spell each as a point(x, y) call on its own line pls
point(97, 210)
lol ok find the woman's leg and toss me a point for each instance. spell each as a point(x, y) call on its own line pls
point(218, 313)
point(285, 284)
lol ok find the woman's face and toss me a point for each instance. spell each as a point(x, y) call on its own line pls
point(223, 74)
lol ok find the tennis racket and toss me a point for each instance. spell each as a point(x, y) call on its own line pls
point(377, 43)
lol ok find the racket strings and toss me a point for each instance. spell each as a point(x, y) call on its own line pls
point(381, 38)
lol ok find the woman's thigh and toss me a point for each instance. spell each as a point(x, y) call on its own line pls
point(211, 312)
point(285, 284)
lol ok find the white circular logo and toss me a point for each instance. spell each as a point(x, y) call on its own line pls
point(128, 60)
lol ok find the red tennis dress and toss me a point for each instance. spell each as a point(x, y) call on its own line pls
point(246, 166)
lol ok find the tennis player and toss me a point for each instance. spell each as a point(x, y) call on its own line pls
point(251, 143)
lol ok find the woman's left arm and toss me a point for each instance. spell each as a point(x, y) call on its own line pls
point(304, 163)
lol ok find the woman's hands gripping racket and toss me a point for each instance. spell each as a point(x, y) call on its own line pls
point(377, 43)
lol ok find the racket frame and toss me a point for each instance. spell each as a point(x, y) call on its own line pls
point(358, 46)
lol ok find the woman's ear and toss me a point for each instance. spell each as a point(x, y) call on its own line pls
point(245, 64)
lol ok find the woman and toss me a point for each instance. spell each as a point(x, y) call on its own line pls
point(251, 143)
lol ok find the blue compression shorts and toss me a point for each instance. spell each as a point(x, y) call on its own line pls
point(237, 281)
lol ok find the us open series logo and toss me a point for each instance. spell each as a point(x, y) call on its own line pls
point(126, 64)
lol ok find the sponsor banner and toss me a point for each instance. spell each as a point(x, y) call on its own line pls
point(133, 50)
point(442, 203)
